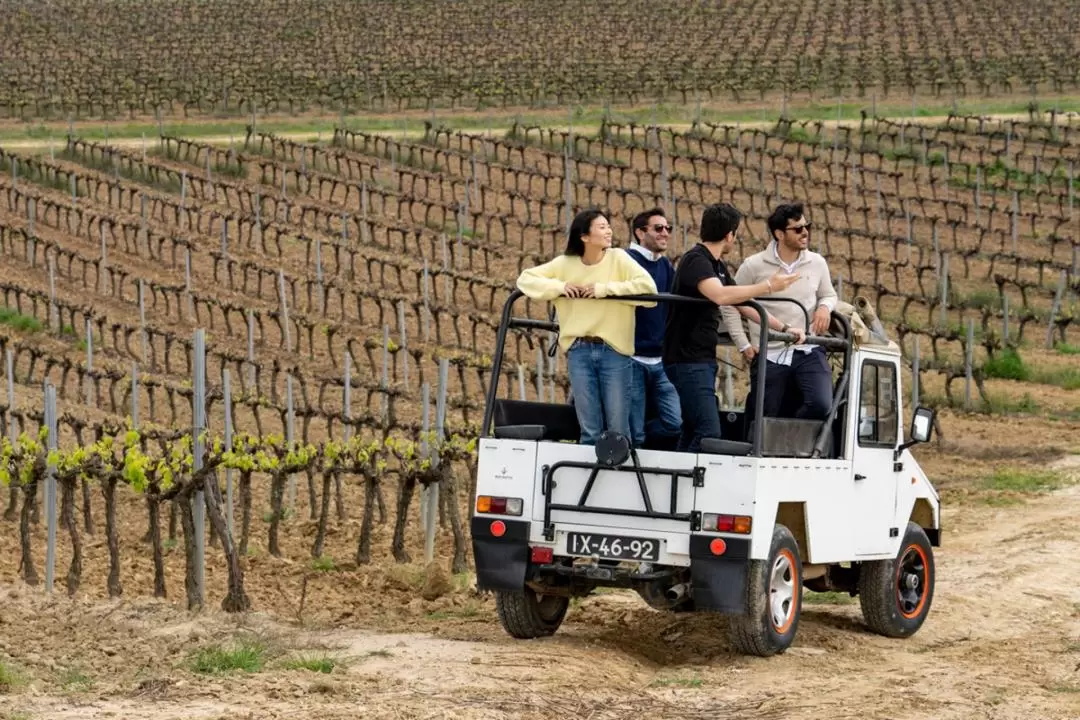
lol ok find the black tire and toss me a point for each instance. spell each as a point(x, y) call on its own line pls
point(773, 600)
point(896, 594)
point(525, 614)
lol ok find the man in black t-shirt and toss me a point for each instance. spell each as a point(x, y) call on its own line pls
point(691, 329)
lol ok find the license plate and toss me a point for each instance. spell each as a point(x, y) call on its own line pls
point(615, 547)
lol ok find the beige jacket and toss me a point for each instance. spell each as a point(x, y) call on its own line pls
point(813, 288)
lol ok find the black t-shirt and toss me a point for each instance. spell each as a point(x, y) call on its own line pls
point(690, 333)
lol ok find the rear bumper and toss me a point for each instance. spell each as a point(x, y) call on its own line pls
point(718, 583)
point(501, 562)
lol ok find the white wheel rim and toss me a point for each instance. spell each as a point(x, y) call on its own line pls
point(781, 591)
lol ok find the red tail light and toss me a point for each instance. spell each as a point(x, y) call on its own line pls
point(542, 555)
point(740, 524)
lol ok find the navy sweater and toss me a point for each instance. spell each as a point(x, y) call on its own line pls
point(649, 322)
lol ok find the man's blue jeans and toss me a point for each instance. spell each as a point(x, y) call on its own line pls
point(655, 411)
point(696, 385)
point(600, 379)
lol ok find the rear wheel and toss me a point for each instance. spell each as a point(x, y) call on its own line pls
point(896, 594)
point(526, 614)
point(773, 600)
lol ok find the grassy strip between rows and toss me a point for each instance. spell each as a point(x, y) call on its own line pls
point(578, 115)
point(1013, 486)
point(1010, 365)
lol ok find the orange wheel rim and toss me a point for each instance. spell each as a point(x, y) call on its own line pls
point(912, 581)
point(783, 591)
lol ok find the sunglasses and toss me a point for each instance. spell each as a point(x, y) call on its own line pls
point(662, 228)
point(799, 228)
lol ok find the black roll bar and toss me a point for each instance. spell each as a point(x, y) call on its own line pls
point(508, 321)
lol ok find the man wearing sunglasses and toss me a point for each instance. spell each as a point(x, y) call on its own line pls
point(655, 414)
point(798, 381)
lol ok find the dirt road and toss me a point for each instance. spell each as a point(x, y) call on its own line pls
point(1002, 641)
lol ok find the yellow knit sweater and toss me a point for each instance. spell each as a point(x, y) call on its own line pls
point(616, 274)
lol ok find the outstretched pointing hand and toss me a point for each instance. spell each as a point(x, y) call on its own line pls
point(781, 281)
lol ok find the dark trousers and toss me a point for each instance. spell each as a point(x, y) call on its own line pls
point(696, 385)
point(801, 390)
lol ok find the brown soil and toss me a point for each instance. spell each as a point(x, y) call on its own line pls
point(1002, 641)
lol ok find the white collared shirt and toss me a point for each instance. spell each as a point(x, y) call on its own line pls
point(784, 355)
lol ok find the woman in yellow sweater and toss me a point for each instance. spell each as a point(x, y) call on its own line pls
point(597, 337)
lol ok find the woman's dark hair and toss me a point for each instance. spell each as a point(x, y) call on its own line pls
point(580, 226)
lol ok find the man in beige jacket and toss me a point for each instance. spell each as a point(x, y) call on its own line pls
point(798, 380)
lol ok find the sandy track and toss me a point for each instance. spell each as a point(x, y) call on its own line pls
point(1002, 641)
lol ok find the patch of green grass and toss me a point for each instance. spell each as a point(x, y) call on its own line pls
point(1067, 349)
point(1010, 365)
point(1023, 481)
point(935, 158)
point(314, 663)
point(76, 680)
point(829, 597)
point(323, 564)
point(495, 118)
point(10, 678)
point(18, 321)
point(984, 299)
point(799, 134)
point(245, 656)
point(1003, 405)
point(1066, 378)
point(1007, 365)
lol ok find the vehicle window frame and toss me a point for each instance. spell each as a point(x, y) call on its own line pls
point(875, 442)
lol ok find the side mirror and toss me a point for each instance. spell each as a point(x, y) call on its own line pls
point(922, 424)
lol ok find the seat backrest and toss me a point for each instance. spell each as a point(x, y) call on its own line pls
point(791, 437)
point(559, 421)
point(732, 423)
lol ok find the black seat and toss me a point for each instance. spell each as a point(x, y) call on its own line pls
point(528, 420)
point(520, 432)
point(717, 446)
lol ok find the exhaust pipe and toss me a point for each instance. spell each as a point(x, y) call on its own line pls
point(676, 592)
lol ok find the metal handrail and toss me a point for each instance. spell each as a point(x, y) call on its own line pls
point(507, 321)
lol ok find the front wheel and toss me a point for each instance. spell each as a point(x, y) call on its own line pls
point(896, 594)
point(773, 599)
point(525, 614)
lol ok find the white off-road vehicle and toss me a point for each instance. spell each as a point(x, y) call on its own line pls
point(738, 528)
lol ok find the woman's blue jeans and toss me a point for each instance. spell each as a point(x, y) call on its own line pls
point(600, 381)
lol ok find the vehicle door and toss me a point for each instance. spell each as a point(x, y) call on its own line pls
point(874, 479)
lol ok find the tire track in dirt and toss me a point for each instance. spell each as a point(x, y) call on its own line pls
point(1002, 641)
